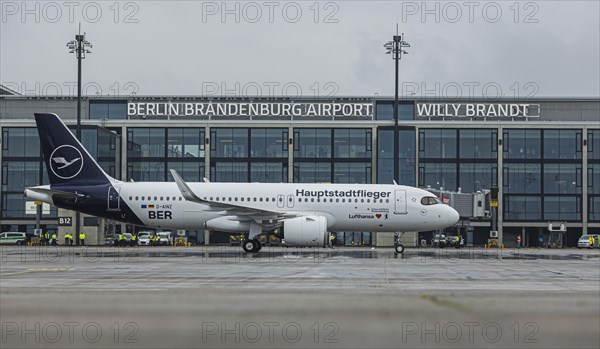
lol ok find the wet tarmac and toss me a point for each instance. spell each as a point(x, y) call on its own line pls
point(215, 296)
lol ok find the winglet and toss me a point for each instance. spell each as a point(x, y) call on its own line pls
point(206, 180)
point(393, 180)
point(185, 190)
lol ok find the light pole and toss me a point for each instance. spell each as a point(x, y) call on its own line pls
point(396, 49)
point(79, 46)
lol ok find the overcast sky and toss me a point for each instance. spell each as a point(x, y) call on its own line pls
point(539, 48)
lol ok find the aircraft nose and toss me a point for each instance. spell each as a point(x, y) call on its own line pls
point(453, 216)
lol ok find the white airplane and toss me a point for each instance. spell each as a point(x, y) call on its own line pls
point(305, 213)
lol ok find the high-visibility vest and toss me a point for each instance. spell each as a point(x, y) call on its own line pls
point(82, 236)
point(121, 237)
point(133, 237)
point(54, 236)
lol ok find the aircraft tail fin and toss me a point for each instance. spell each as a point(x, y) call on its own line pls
point(67, 161)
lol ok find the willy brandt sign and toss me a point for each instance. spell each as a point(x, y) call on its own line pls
point(478, 110)
point(250, 109)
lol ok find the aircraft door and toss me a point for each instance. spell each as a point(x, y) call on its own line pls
point(290, 201)
point(113, 198)
point(400, 202)
point(280, 201)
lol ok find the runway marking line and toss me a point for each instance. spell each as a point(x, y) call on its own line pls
point(30, 270)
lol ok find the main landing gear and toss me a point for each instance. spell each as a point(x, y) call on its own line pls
point(251, 245)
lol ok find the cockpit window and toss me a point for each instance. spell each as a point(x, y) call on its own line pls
point(430, 200)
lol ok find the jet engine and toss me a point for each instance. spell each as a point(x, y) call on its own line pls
point(305, 231)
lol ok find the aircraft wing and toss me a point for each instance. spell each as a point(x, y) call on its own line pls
point(244, 213)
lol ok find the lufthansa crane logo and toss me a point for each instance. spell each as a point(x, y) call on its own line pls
point(66, 162)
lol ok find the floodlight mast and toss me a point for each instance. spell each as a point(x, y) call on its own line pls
point(395, 48)
point(80, 47)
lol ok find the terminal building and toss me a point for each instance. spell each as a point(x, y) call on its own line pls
point(542, 153)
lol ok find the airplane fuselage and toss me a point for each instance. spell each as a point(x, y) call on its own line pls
point(347, 207)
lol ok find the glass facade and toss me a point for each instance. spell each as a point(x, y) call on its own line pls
point(385, 111)
point(110, 110)
point(385, 156)
point(522, 208)
point(341, 155)
point(152, 152)
point(593, 144)
point(478, 144)
point(249, 155)
point(593, 173)
point(477, 176)
point(437, 144)
point(562, 144)
point(522, 144)
point(545, 165)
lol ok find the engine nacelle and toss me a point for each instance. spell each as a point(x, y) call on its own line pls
point(305, 231)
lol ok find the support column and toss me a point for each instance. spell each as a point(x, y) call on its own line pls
point(584, 182)
point(500, 210)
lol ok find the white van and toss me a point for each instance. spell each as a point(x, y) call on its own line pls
point(166, 238)
point(584, 241)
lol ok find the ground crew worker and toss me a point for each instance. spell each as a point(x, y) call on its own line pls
point(68, 239)
point(46, 239)
point(331, 239)
point(133, 240)
point(591, 240)
point(518, 241)
point(152, 240)
point(82, 238)
point(54, 241)
point(242, 239)
point(457, 241)
point(121, 240)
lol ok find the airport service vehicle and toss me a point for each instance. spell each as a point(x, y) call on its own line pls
point(439, 240)
point(584, 241)
point(165, 238)
point(13, 238)
point(303, 212)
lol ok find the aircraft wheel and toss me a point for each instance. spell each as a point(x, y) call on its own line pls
point(399, 248)
point(248, 246)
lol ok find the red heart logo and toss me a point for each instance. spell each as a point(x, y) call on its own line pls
point(378, 215)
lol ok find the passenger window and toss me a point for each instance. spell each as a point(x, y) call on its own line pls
point(161, 198)
point(136, 198)
point(143, 198)
point(155, 198)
